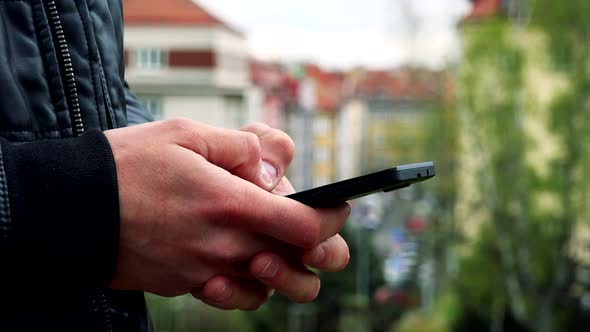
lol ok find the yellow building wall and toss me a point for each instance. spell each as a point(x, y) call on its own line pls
point(323, 165)
point(395, 139)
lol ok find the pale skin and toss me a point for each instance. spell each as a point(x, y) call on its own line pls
point(201, 214)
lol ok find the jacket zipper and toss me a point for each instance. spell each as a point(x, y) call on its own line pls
point(105, 311)
point(73, 101)
point(65, 59)
point(109, 113)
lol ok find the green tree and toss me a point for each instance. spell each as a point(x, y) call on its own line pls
point(441, 145)
point(522, 260)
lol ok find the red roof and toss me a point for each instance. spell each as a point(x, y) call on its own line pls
point(328, 87)
point(484, 9)
point(167, 12)
point(411, 84)
point(274, 80)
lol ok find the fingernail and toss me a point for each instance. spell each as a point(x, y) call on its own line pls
point(268, 173)
point(270, 270)
point(271, 292)
point(223, 294)
point(318, 255)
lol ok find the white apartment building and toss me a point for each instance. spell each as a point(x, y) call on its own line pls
point(183, 61)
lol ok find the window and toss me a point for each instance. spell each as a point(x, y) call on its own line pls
point(154, 105)
point(235, 115)
point(321, 125)
point(149, 58)
point(321, 156)
point(232, 63)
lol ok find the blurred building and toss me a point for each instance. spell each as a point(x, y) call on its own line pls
point(278, 90)
point(312, 125)
point(483, 10)
point(327, 87)
point(184, 61)
point(382, 120)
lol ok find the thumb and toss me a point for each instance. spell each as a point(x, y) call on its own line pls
point(277, 150)
point(238, 152)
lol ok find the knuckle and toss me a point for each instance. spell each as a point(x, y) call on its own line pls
point(188, 133)
point(289, 146)
point(193, 280)
point(310, 235)
point(231, 206)
point(309, 294)
point(222, 206)
point(228, 255)
point(283, 142)
point(255, 305)
point(231, 253)
point(257, 127)
point(178, 124)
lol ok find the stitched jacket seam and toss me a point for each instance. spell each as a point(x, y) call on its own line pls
point(109, 111)
point(9, 49)
point(90, 63)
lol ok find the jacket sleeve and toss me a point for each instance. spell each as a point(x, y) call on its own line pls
point(136, 113)
point(59, 213)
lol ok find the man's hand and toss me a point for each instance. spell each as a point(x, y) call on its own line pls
point(332, 255)
point(190, 222)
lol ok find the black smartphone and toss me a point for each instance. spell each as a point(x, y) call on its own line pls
point(387, 180)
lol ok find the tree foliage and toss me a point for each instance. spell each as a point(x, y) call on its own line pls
point(532, 203)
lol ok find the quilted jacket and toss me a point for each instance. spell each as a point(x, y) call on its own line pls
point(61, 85)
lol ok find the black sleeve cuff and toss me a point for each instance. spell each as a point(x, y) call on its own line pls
point(64, 208)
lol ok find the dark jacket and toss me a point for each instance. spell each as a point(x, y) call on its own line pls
point(62, 84)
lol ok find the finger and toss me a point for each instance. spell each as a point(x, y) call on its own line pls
point(297, 283)
point(229, 294)
point(238, 152)
point(284, 188)
point(332, 255)
point(243, 204)
point(277, 148)
point(283, 218)
point(233, 252)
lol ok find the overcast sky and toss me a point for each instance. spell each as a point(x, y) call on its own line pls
point(347, 33)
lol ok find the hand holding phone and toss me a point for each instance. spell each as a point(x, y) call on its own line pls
point(387, 180)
